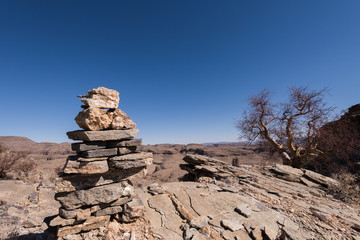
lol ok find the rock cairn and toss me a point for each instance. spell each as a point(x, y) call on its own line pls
point(94, 189)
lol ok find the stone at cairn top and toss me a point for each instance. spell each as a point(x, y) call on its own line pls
point(101, 97)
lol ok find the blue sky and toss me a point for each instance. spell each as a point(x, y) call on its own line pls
point(184, 69)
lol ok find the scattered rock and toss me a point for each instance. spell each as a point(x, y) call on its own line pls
point(199, 222)
point(133, 210)
point(231, 225)
point(244, 209)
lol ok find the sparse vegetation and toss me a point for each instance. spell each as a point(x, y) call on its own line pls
point(9, 160)
point(289, 127)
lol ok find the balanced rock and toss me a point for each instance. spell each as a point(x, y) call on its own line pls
point(99, 119)
point(120, 120)
point(101, 97)
point(93, 119)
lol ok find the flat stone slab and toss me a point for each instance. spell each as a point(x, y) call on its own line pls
point(323, 180)
point(125, 143)
point(89, 224)
point(232, 225)
point(287, 172)
point(128, 164)
point(244, 209)
point(199, 159)
point(86, 167)
point(94, 196)
point(132, 156)
point(109, 211)
point(107, 152)
point(105, 135)
point(85, 146)
point(82, 159)
point(70, 183)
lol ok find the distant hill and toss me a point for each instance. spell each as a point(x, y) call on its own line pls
point(15, 143)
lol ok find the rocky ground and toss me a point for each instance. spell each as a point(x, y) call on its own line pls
point(258, 201)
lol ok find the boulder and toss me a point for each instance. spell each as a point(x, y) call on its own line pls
point(120, 120)
point(93, 119)
point(106, 135)
point(101, 97)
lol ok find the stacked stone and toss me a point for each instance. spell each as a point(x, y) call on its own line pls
point(95, 187)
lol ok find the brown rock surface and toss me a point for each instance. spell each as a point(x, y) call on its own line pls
point(95, 195)
point(120, 120)
point(94, 167)
point(101, 97)
point(70, 183)
point(93, 119)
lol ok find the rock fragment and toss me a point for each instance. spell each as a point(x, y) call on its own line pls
point(244, 209)
point(232, 225)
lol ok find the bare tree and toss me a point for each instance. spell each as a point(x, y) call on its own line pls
point(289, 127)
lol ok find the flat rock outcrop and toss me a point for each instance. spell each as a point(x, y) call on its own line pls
point(247, 202)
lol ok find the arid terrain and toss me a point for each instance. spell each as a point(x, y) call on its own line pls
point(49, 158)
point(195, 191)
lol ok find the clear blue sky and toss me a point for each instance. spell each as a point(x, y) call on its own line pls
point(184, 69)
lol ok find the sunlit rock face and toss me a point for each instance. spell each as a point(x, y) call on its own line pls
point(101, 97)
point(94, 117)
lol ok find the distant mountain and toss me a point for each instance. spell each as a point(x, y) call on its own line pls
point(15, 143)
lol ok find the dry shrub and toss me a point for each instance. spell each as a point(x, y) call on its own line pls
point(10, 160)
point(349, 189)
